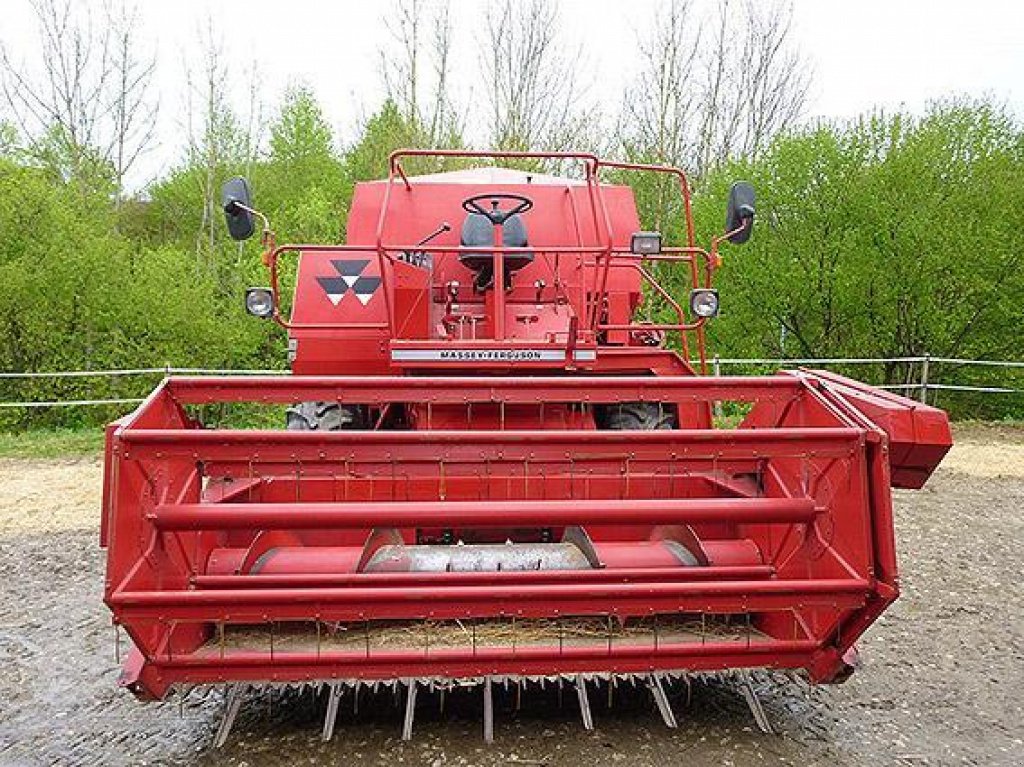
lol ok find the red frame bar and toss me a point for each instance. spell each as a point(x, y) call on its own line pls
point(477, 578)
point(552, 513)
point(210, 666)
point(469, 446)
point(384, 258)
point(457, 390)
point(498, 600)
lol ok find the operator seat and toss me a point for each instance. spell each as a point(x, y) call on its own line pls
point(478, 232)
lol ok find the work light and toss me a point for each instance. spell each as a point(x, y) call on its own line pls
point(645, 243)
point(704, 302)
point(259, 302)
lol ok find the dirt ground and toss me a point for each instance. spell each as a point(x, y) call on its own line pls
point(942, 680)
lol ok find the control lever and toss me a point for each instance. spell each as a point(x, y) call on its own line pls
point(419, 258)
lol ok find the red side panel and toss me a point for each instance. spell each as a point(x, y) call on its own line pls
point(919, 435)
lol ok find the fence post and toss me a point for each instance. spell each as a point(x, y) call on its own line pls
point(923, 394)
point(716, 369)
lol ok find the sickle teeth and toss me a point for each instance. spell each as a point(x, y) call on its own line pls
point(663, 686)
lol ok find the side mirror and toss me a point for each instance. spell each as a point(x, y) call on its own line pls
point(237, 203)
point(739, 214)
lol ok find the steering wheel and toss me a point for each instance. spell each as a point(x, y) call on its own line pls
point(497, 215)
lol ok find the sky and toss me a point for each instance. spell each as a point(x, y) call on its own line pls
point(864, 54)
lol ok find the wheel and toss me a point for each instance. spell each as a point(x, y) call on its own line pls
point(637, 416)
point(325, 416)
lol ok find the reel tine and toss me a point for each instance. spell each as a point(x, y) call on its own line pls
point(661, 700)
point(488, 711)
point(234, 702)
point(655, 681)
point(747, 688)
point(410, 709)
point(332, 711)
point(581, 693)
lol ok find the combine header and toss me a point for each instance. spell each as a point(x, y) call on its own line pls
point(494, 472)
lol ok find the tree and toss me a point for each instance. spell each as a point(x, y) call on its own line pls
point(384, 132)
point(866, 241)
point(134, 110)
point(416, 69)
point(219, 142)
point(300, 137)
point(8, 139)
point(661, 104)
point(301, 184)
point(533, 93)
point(661, 108)
point(773, 77)
point(713, 88)
point(381, 134)
point(91, 102)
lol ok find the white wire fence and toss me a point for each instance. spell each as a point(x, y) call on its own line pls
point(921, 369)
point(132, 372)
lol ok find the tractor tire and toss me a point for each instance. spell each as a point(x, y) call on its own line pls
point(635, 416)
point(325, 416)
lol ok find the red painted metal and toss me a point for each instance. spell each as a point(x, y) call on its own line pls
point(154, 678)
point(485, 413)
point(552, 513)
point(352, 604)
point(403, 579)
point(459, 391)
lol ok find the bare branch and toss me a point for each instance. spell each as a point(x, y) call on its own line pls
point(534, 92)
point(90, 100)
point(400, 60)
point(715, 87)
point(416, 66)
point(219, 142)
point(133, 111)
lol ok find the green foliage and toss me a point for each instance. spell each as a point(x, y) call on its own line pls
point(887, 237)
point(67, 161)
point(302, 183)
point(78, 295)
point(384, 132)
point(8, 140)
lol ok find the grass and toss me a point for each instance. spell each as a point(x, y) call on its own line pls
point(52, 443)
point(87, 441)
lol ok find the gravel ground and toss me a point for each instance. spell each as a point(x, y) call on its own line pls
point(942, 682)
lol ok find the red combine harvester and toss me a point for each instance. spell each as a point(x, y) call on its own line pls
point(494, 472)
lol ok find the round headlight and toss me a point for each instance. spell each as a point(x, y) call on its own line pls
point(704, 302)
point(259, 302)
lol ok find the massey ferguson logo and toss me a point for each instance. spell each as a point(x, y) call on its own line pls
point(350, 278)
point(491, 355)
